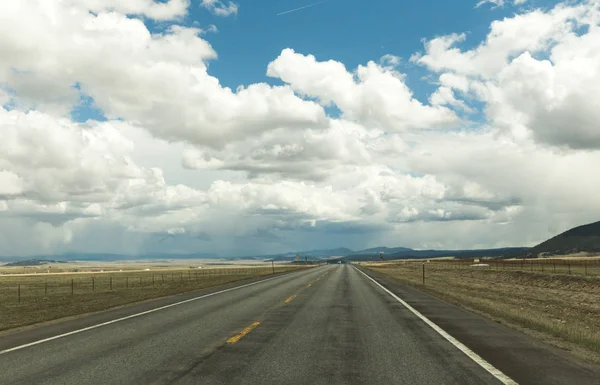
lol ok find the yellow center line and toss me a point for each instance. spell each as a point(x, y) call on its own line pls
point(290, 299)
point(241, 334)
point(309, 285)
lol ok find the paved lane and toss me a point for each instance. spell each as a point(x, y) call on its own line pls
point(328, 325)
point(341, 330)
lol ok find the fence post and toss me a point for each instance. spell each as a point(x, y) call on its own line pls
point(111, 283)
point(140, 281)
point(153, 279)
point(19, 292)
point(554, 266)
point(423, 274)
point(93, 284)
point(72, 286)
point(127, 282)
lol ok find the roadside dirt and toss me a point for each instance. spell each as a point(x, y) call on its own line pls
point(559, 309)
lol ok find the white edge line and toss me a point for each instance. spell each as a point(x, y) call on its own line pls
point(459, 345)
point(131, 316)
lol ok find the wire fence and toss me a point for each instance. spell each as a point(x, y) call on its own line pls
point(20, 288)
point(582, 267)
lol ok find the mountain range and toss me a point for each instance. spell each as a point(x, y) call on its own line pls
point(322, 254)
point(584, 238)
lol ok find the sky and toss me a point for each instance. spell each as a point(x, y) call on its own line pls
point(253, 127)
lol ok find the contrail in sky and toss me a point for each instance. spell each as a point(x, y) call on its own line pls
point(298, 9)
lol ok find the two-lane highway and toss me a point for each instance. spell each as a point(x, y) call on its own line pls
point(328, 325)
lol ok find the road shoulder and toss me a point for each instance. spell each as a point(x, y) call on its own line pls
point(28, 334)
point(516, 354)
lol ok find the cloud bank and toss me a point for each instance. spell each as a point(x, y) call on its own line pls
point(331, 156)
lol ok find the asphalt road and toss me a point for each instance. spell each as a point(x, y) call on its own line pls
point(327, 325)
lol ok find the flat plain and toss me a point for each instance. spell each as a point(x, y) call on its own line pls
point(30, 295)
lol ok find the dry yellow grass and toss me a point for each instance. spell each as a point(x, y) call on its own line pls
point(29, 299)
point(563, 307)
point(126, 266)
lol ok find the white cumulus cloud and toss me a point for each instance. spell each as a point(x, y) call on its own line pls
point(373, 95)
point(158, 10)
point(220, 8)
point(500, 3)
point(539, 84)
point(329, 155)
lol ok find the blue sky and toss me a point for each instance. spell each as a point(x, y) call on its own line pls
point(348, 31)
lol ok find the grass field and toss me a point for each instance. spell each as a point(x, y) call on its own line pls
point(570, 266)
point(560, 308)
point(130, 265)
point(31, 298)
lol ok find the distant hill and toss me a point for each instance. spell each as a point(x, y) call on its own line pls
point(377, 250)
point(314, 255)
point(418, 254)
point(277, 258)
point(33, 262)
point(106, 257)
point(584, 238)
point(340, 251)
point(179, 256)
